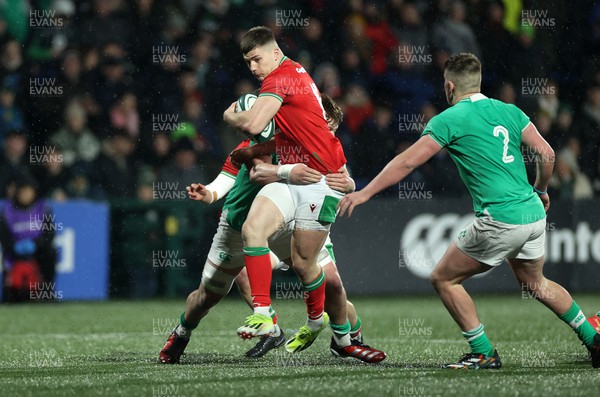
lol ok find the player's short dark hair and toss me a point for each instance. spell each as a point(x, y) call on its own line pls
point(333, 111)
point(256, 37)
point(464, 70)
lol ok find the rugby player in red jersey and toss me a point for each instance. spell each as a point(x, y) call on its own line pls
point(290, 96)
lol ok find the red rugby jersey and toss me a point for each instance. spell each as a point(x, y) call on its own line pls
point(304, 136)
point(228, 166)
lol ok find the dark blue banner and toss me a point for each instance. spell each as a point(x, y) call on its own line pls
point(82, 242)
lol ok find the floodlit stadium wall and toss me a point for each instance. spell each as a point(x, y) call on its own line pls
point(135, 250)
point(391, 246)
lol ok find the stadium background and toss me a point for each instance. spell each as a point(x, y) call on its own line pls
point(120, 103)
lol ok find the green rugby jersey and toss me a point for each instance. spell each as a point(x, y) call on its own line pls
point(240, 197)
point(483, 137)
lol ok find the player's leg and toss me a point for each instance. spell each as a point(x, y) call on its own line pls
point(529, 273)
point(223, 263)
point(340, 310)
point(447, 277)
point(355, 321)
point(216, 283)
point(334, 295)
point(266, 216)
point(243, 284)
point(265, 342)
point(306, 245)
point(315, 211)
point(527, 264)
point(455, 267)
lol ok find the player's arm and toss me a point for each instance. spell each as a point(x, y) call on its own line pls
point(253, 121)
point(243, 155)
point(222, 184)
point(299, 174)
point(544, 161)
point(212, 192)
point(396, 170)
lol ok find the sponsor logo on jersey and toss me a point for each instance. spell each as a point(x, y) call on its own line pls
point(312, 207)
point(225, 257)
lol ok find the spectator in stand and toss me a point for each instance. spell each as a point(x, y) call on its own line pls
point(507, 93)
point(410, 27)
point(53, 177)
point(108, 23)
point(80, 185)
point(357, 39)
point(358, 108)
point(549, 102)
point(572, 183)
point(587, 127)
point(11, 116)
point(406, 84)
point(327, 79)
point(188, 83)
point(200, 61)
point(12, 69)
point(562, 128)
point(184, 169)
point(76, 141)
point(115, 170)
point(313, 39)
point(14, 161)
point(206, 132)
point(160, 152)
point(452, 34)
point(47, 43)
point(110, 85)
point(352, 68)
point(70, 79)
point(496, 42)
point(375, 144)
point(124, 114)
point(5, 35)
point(381, 36)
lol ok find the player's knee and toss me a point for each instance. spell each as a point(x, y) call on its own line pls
point(436, 280)
point(202, 299)
point(252, 232)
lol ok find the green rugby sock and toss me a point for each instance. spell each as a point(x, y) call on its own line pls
point(577, 320)
point(479, 341)
point(341, 333)
point(184, 329)
point(355, 331)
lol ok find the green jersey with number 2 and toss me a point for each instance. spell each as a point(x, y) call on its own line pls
point(483, 137)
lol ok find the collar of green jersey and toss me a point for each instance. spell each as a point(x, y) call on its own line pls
point(475, 97)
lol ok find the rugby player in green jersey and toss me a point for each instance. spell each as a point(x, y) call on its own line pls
point(484, 137)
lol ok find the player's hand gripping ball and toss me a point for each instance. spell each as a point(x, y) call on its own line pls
point(245, 102)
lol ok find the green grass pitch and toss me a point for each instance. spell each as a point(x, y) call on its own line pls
point(110, 349)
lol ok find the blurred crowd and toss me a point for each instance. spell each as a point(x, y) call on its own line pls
point(105, 99)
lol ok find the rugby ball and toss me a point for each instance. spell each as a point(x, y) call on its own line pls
point(245, 102)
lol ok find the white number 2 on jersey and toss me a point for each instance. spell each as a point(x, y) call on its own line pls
point(501, 130)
